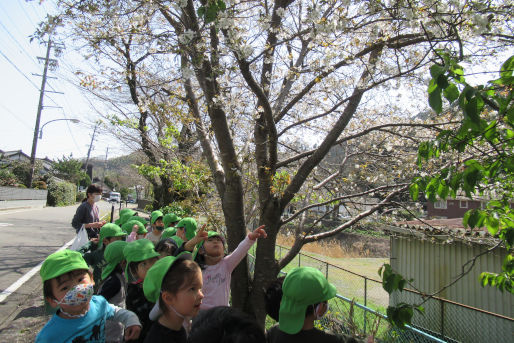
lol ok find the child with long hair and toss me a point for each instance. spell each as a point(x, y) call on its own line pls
point(176, 284)
point(217, 268)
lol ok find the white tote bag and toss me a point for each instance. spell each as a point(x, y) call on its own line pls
point(80, 240)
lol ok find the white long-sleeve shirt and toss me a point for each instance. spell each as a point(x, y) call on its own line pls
point(216, 278)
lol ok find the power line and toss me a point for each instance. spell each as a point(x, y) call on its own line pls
point(18, 43)
point(26, 13)
point(15, 116)
point(19, 70)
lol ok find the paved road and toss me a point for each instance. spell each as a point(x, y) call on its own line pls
point(26, 238)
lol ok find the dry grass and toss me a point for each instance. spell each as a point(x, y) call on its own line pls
point(331, 248)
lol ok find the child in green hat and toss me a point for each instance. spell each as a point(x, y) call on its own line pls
point(108, 233)
point(166, 247)
point(176, 284)
point(217, 268)
point(140, 256)
point(136, 228)
point(157, 227)
point(170, 220)
point(114, 287)
point(305, 293)
point(68, 285)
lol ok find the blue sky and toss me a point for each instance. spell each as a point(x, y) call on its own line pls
point(19, 91)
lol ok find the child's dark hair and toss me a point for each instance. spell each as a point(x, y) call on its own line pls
point(168, 246)
point(47, 285)
point(132, 268)
point(273, 297)
point(180, 273)
point(227, 325)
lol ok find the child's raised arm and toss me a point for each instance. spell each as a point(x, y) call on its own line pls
point(258, 233)
point(201, 235)
point(240, 252)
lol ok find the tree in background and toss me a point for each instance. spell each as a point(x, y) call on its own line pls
point(124, 191)
point(478, 161)
point(253, 76)
point(70, 169)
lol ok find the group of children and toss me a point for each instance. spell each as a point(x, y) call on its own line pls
point(148, 283)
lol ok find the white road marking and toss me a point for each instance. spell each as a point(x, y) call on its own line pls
point(6, 224)
point(12, 288)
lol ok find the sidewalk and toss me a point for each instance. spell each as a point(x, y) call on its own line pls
point(26, 315)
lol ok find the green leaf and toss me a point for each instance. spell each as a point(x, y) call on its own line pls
point(443, 189)
point(432, 86)
point(451, 93)
point(507, 68)
point(471, 110)
point(492, 224)
point(442, 81)
point(435, 102)
point(221, 5)
point(437, 70)
point(414, 191)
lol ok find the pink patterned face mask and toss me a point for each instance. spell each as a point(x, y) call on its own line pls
point(78, 295)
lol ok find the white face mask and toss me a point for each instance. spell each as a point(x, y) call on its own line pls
point(97, 198)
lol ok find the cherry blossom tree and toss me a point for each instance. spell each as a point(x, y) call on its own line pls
point(251, 77)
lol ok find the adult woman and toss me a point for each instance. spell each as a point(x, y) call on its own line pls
point(87, 212)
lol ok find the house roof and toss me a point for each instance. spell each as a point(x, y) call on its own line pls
point(446, 230)
point(13, 153)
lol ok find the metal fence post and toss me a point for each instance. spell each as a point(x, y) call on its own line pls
point(442, 318)
point(326, 270)
point(299, 254)
point(365, 300)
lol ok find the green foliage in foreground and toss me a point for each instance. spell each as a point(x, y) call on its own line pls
point(484, 144)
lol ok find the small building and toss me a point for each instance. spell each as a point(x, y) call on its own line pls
point(7, 157)
point(453, 208)
point(433, 253)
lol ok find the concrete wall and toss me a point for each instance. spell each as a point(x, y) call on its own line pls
point(13, 197)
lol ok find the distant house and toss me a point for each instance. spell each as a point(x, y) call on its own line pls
point(7, 157)
point(454, 208)
point(432, 253)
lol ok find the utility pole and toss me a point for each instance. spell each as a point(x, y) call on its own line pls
point(38, 116)
point(90, 147)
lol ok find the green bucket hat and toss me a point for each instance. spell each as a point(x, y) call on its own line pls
point(111, 230)
point(168, 232)
point(125, 217)
point(178, 240)
point(190, 225)
point(155, 275)
point(125, 210)
point(209, 235)
point(155, 215)
point(61, 262)
point(140, 219)
point(170, 218)
point(136, 251)
point(303, 286)
point(113, 255)
point(127, 227)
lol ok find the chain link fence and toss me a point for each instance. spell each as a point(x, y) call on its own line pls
point(361, 311)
